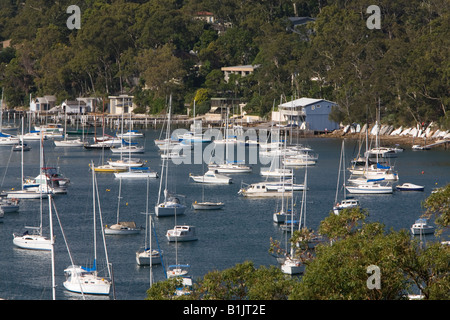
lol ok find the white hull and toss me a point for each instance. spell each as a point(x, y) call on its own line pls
point(69, 143)
point(166, 211)
point(230, 168)
point(143, 258)
point(181, 234)
point(369, 189)
point(121, 230)
point(292, 266)
point(267, 172)
point(25, 194)
point(32, 242)
point(126, 163)
point(136, 175)
point(202, 179)
point(99, 287)
point(127, 150)
point(208, 205)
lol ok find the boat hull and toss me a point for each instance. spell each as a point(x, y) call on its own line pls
point(143, 258)
point(208, 205)
point(32, 242)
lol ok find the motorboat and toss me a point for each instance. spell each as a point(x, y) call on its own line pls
point(21, 146)
point(177, 270)
point(259, 189)
point(345, 204)
point(182, 233)
point(421, 226)
point(370, 187)
point(212, 177)
point(206, 205)
point(410, 187)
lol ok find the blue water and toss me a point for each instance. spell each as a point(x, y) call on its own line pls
point(239, 232)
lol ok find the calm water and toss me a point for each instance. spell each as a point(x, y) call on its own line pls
point(233, 235)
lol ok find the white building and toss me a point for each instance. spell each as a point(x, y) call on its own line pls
point(44, 103)
point(240, 70)
point(121, 104)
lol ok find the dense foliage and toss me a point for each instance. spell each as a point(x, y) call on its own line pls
point(156, 47)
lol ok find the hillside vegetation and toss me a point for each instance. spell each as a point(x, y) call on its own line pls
point(153, 48)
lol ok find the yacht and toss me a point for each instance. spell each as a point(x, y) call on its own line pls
point(212, 177)
point(181, 233)
point(410, 187)
point(369, 188)
point(345, 204)
point(259, 189)
point(421, 227)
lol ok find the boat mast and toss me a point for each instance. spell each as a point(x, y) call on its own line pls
point(52, 241)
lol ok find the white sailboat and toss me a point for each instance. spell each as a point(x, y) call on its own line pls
point(171, 204)
point(25, 193)
point(66, 142)
point(86, 280)
point(345, 203)
point(147, 256)
point(121, 227)
point(35, 240)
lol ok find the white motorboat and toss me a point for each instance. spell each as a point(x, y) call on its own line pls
point(410, 187)
point(345, 204)
point(212, 177)
point(421, 227)
point(207, 205)
point(259, 189)
point(370, 188)
point(177, 270)
point(182, 233)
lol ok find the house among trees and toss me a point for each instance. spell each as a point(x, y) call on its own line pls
point(308, 113)
point(44, 103)
point(219, 106)
point(205, 16)
point(241, 70)
point(74, 106)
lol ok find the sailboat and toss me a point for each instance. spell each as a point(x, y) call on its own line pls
point(345, 203)
point(207, 205)
point(65, 142)
point(122, 227)
point(35, 240)
point(5, 139)
point(148, 256)
point(86, 280)
point(171, 204)
point(26, 193)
